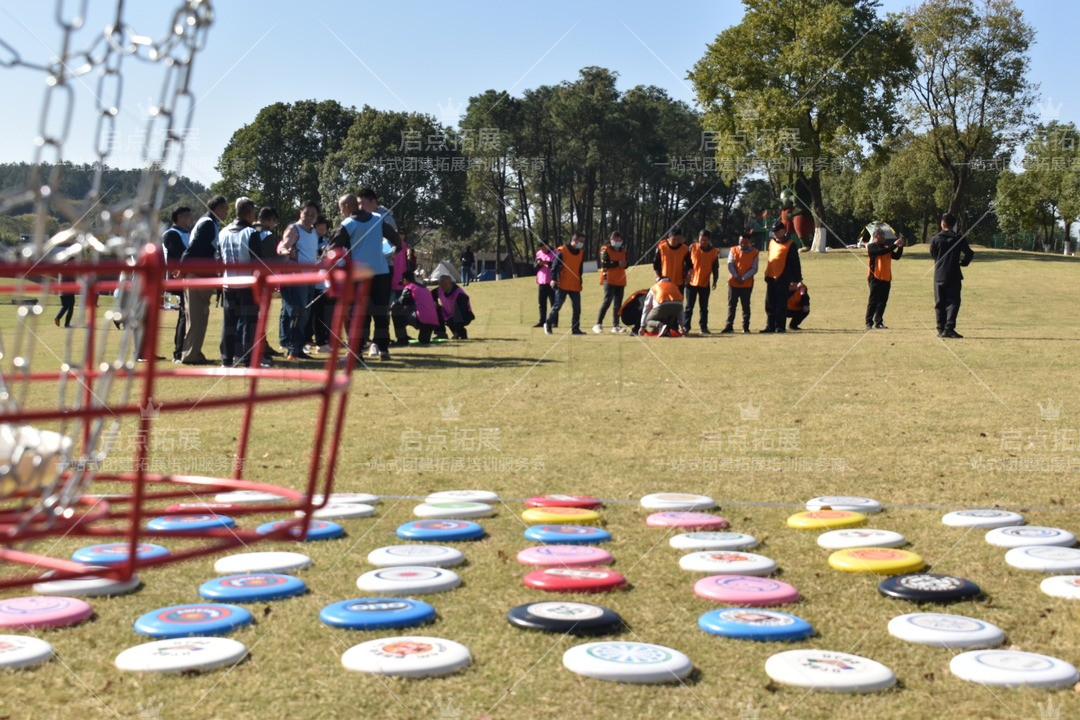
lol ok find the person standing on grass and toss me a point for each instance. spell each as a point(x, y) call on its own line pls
point(782, 271)
point(399, 267)
point(672, 257)
point(950, 252)
point(704, 263)
point(879, 275)
point(468, 262)
point(67, 302)
point(613, 279)
point(239, 244)
point(202, 248)
point(174, 242)
point(742, 265)
point(369, 203)
point(321, 314)
point(545, 258)
point(299, 244)
point(566, 280)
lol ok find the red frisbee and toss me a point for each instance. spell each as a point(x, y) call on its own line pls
point(694, 520)
point(586, 502)
point(575, 580)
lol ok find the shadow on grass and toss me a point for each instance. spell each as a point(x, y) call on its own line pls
point(1003, 256)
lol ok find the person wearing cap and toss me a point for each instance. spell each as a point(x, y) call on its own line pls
point(663, 308)
point(879, 275)
point(742, 265)
point(613, 279)
point(782, 271)
point(950, 252)
point(704, 264)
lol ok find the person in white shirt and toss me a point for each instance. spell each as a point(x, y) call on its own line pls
point(299, 244)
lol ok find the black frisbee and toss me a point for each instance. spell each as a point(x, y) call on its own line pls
point(929, 588)
point(573, 618)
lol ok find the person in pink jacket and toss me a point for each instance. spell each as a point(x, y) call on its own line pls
point(545, 256)
point(416, 307)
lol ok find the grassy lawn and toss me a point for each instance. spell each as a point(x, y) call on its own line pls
point(921, 425)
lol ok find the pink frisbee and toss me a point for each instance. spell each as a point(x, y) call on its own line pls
point(696, 520)
point(745, 590)
point(43, 612)
point(564, 555)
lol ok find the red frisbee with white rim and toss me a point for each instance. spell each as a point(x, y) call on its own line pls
point(586, 502)
point(575, 580)
point(43, 612)
point(745, 590)
point(564, 555)
point(696, 520)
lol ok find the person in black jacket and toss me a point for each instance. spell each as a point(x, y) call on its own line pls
point(950, 252)
point(174, 242)
point(202, 248)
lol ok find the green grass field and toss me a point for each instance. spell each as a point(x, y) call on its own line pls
point(922, 425)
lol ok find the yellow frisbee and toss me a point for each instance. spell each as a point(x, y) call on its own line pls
point(560, 516)
point(825, 520)
point(880, 561)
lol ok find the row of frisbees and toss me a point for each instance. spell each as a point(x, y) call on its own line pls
point(568, 558)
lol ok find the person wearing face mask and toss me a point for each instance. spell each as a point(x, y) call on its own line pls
point(704, 263)
point(742, 266)
point(613, 280)
point(566, 279)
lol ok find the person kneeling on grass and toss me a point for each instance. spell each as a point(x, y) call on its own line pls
point(630, 312)
point(663, 307)
point(455, 307)
point(798, 304)
point(416, 307)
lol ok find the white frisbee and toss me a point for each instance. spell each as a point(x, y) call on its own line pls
point(677, 501)
point(341, 511)
point(982, 518)
point(408, 580)
point(20, 651)
point(261, 562)
point(1013, 668)
point(182, 655)
point(477, 496)
point(860, 538)
point(829, 671)
point(454, 510)
point(945, 630)
point(421, 555)
point(347, 499)
point(409, 656)
point(1024, 535)
point(727, 562)
point(91, 586)
point(713, 541)
point(628, 662)
point(844, 502)
point(242, 497)
point(1045, 558)
point(1062, 586)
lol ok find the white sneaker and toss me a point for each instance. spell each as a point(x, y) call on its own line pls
point(324, 349)
point(598, 329)
point(547, 328)
point(373, 351)
point(618, 329)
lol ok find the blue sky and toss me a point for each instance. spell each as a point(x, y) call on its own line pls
point(421, 56)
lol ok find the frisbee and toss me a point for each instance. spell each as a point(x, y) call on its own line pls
point(571, 618)
point(340, 511)
point(564, 556)
point(574, 580)
point(829, 671)
point(881, 561)
point(677, 501)
point(20, 651)
point(1021, 535)
point(91, 586)
point(261, 562)
point(628, 662)
point(1045, 558)
point(982, 518)
point(197, 508)
point(246, 497)
point(1062, 586)
point(745, 590)
point(440, 530)
point(376, 613)
point(567, 534)
point(43, 612)
point(409, 580)
point(346, 499)
point(586, 502)
point(844, 502)
point(187, 620)
point(557, 515)
point(254, 587)
point(1013, 668)
point(411, 656)
point(713, 541)
point(476, 496)
point(683, 519)
point(316, 530)
point(826, 520)
point(116, 553)
point(755, 624)
point(190, 522)
point(427, 555)
point(944, 630)
point(454, 510)
point(860, 538)
point(929, 588)
point(176, 655)
point(727, 562)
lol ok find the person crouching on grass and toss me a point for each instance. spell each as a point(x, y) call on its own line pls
point(798, 304)
point(455, 307)
point(416, 307)
point(879, 275)
point(663, 307)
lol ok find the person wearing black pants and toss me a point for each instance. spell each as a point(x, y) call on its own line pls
point(612, 268)
point(67, 305)
point(174, 241)
point(704, 263)
point(545, 294)
point(782, 271)
point(238, 244)
point(879, 275)
point(742, 265)
point(950, 252)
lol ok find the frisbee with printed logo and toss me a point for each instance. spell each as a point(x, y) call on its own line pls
point(477, 496)
point(454, 510)
point(929, 588)
point(409, 580)
point(440, 530)
point(377, 613)
point(567, 534)
point(880, 561)
point(205, 521)
point(1045, 558)
point(745, 590)
point(188, 620)
point(20, 651)
point(572, 618)
point(412, 656)
point(727, 562)
point(987, 518)
point(677, 501)
point(945, 630)
point(713, 541)
point(114, 553)
point(90, 586)
point(557, 515)
point(684, 519)
point(755, 624)
point(829, 671)
point(628, 662)
point(1022, 535)
point(186, 654)
point(1062, 586)
point(860, 538)
point(340, 511)
point(844, 502)
point(586, 502)
point(317, 530)
point(428, 555)
point(826, 520)
point(261, 562)
point(564, 556)
point(42, 612)
point(253, 587)
point(1013, 668)
point(575, 580)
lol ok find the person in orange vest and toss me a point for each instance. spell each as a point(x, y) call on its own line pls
point(663, 307)
point(704, 263)
point(879, 275)
point(672, 257)
point(613, 278)
point(798, 304)
point(566, 279)
point(742, 266)
point(782, 270)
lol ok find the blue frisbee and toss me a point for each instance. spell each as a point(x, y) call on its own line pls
point(252, 588)
point(190, 522)
point(116, 553)
point(567, 534)
point(376, 613)
point(317, 530)
point(755, 624)
point(188, 620)
point(440, 530)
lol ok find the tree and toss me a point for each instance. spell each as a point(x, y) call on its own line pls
point(794, 78)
